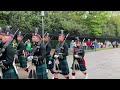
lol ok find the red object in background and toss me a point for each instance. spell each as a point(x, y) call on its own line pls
point(89, 43)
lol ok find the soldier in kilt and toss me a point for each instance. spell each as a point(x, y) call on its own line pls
point(39, 55)
point(49, 59)
point(21, 51)
point(78, 60)
point(7, 58)
point(62, 57)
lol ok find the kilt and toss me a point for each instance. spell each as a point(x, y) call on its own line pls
point(63, 66)
point(49, 66)
point(81, 65)
point(10, 73)
point(22, 61)
point(41, 71)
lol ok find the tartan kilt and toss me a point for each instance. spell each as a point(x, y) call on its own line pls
point(22, 60)
point(41, 71)
point(63, 66)
point(81, 65)
point(10, 73)
point(50, 66)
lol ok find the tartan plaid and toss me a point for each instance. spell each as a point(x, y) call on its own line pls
point(81, 65)
point(22, 61)
point(50, 66)
point(63, 66)
point(10, 74)
point(41, 71)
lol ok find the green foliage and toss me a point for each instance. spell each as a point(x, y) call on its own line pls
point(96, 23)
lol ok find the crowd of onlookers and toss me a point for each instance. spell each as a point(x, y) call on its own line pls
point(28, 45)
point(91, 45)
point(87, 45)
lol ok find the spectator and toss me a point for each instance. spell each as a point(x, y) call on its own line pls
point(28, 47)
point(89, 44)
point(72, 44)
point(95, 44)
point(14, 43)
point(113, 44)
point(84, 45)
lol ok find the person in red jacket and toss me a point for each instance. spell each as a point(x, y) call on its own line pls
point(89, 44)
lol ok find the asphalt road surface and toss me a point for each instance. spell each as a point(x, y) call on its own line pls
point(104, 64)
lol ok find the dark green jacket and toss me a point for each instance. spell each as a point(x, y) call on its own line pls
point(20, 48)
point(80, 50)
point(40, 52)
point(48, 49)
point(8, 55)
point(64, 51)
point(1, 44)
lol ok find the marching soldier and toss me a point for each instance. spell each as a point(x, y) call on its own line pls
point(7, 57)
point(49, 59)
point(78, 59)
point(39, 54)
point(1, 45)
point(60, 57)
point(21, 51)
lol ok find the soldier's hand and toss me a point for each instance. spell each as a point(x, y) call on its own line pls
point(30, 58)
point(49, 62)
point(56, 56)
point(76, 56)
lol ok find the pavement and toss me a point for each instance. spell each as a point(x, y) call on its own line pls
point(104, 64)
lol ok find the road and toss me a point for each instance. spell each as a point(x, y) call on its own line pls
point(104, 64)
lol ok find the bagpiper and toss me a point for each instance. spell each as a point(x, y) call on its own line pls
point(7, 54)
point(60, 57)
point(78, 59)
point(49, 59)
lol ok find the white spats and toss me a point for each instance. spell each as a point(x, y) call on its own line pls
point(86, 76)
point(47, 70)
point(73, 77)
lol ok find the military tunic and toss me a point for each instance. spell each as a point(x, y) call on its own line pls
point(63, 64)
point(9, 72)
point(21, 57)
point(41, 65)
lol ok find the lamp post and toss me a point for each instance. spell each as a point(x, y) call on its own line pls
point(42, 14)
